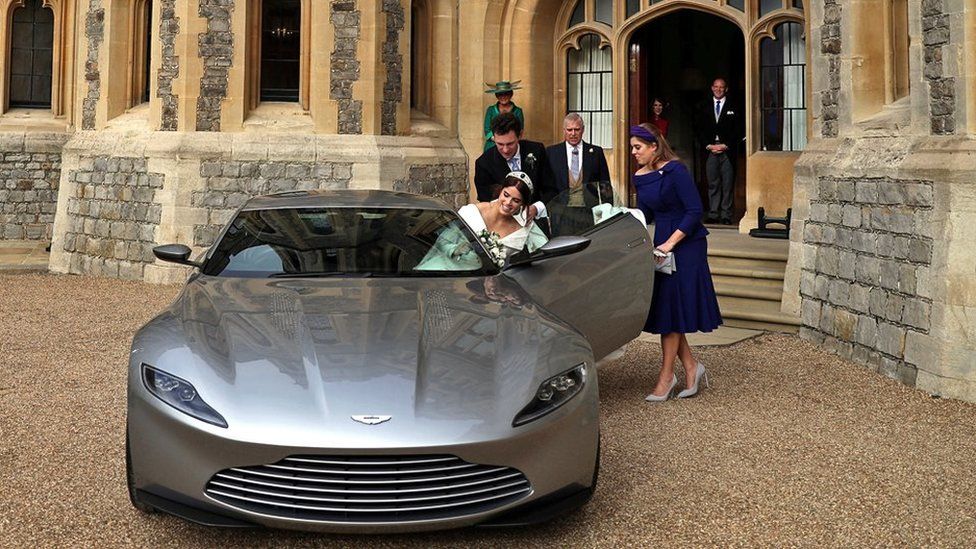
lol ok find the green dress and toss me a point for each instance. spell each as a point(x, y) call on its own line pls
point(490, 115)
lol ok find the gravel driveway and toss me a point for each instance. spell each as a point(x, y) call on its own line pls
point(791, 446)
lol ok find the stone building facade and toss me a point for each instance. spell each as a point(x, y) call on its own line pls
point(881, 261)
point(150, 121)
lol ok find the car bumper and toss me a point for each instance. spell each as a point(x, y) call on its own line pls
point(174, 456)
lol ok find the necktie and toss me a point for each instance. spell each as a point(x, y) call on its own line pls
point(513, 164)
point(574, 165)
point(718, 109)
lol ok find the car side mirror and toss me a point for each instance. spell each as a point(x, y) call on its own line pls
point(175, 253)
point(559, 246)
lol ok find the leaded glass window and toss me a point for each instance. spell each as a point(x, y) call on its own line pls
point(604, 11)
point(633, 6)
point(590, 88)
point(782, 81)
point(769, 6)
point(31, 55)
point(737, 4)
point(578, 13)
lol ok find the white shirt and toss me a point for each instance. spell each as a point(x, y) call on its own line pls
point(539, 206)
point(721, 105)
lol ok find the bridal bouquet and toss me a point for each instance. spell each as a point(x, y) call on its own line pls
point(490, 240)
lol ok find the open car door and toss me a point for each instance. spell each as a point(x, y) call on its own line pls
point(603, 291)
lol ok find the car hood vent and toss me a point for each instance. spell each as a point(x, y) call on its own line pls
point(368, 489)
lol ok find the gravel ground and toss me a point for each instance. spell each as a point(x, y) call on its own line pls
point(791, 446)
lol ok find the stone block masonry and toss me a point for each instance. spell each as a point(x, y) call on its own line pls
point(867, 289)
point(393, 63)
point(346, 22)
point(228, 184)
point(94, 35)
point(942, 94)
point(169, 28)
point(28, 194)
point(830, 48)
point(448, 182)
point(216, 49)
point(112, 216)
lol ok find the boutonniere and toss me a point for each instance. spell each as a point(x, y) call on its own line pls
point(530, 159)
point(591, 150)
point(730, 113)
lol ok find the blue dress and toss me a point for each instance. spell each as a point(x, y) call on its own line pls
point(685, 300)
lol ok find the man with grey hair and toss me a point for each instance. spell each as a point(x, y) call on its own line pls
point(581, 172)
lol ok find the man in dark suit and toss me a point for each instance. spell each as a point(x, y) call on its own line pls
point(720, 129)
point(510, 154)
point(582, 179)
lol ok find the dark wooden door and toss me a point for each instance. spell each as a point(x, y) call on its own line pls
point(31, 56)
point(280, 49)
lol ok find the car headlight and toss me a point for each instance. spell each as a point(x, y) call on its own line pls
point(179, 394)
point(553, 393)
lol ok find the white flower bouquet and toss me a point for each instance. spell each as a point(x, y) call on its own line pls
point(490, 240)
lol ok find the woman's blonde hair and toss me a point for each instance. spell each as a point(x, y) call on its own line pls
point(664, 151)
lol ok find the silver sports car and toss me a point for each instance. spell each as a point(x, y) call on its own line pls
point(355, 361)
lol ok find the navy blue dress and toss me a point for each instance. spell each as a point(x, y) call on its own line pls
point(683, 301)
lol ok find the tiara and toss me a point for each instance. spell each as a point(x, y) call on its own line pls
point(524, 178)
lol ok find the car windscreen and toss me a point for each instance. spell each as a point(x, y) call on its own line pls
point(367, 242)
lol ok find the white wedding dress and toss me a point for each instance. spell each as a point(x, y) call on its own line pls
point(529, 236)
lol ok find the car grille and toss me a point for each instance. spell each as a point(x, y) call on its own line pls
point(358, 489)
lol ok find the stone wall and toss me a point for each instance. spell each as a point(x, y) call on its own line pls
point(228, 184)
point(112, 216)
point(448, 182)
point(169, 28)
point(30, 170)
point(869, 285)
point(216, 49)
point(830, 48)
point(94, 35)
point(393, 63)
point(942, 93)
point(345, 17)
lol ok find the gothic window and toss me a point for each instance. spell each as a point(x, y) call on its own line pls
point(280, 50)
point(604, 11)
point(589, 88)
point(142, 46)
point(897, 30)
point(31, 55)
point(782, 100)
point(633, 6)
point(769, 6)
point(737, 4)
point(578, 14)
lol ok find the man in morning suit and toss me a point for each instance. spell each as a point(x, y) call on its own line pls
point(582, 178)
point(720, 132)
point(510, 154)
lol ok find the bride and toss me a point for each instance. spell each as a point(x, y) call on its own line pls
point(500, 224)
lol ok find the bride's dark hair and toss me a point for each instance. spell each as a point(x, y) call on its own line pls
point(523, 189)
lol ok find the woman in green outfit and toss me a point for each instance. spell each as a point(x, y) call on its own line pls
point(503, 93)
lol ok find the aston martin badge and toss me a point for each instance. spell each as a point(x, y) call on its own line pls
point(371, 420)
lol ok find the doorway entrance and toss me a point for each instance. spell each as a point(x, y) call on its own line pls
point(676, 57)
point(31, 55)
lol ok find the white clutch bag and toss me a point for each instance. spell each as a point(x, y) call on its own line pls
point(667, 266)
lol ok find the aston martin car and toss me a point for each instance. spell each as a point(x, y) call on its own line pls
point(355, 361)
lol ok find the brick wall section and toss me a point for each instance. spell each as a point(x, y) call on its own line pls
point(448, 182)
point(95, 35)
point(344, 73)
point(112, 217)
point(230, 183)
point(169, 27)
point(830, 47)
point(942, 95)
point(28, 194)
point(869, 287)
point(393, 62)
point(216, 49)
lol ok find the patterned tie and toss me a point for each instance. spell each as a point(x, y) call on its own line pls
point(574, 165)
point(718, 109)
point(513, 164)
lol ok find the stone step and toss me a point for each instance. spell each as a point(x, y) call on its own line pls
point(746, 268)
point(752, 288)
point(737, 311)
point(765, 326)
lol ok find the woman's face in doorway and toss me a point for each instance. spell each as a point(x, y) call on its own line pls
point(504, 98)
point(642, 151)
point(657, 107)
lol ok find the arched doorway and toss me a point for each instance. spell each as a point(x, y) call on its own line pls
point(675, 57)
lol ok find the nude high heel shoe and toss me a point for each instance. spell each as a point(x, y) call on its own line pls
point(699, 374)
point(655, 398)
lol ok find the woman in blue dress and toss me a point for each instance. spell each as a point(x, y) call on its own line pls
point(683, 301)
